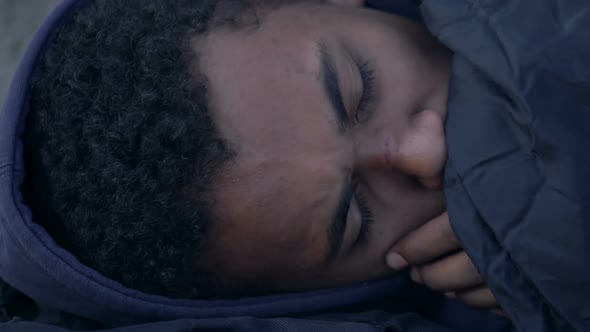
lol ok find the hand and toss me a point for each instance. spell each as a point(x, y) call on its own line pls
point(438, 261)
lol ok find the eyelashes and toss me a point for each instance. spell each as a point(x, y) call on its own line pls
point(367, 219)
point(368, 95)
point(367, 73)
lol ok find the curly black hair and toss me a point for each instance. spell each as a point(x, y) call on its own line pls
point(120, 146)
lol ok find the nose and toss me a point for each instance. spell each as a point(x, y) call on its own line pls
point(419, 150)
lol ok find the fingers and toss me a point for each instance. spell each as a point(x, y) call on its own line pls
point(425, 249)
point(455, 272)
point(430, 241)
point(481, 297)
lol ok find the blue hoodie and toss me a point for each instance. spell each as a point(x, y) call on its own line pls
point(33, 264)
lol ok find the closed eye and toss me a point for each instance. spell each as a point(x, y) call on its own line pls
point(367, 74)
point(367, 220)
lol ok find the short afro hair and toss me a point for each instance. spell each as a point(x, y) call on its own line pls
point(120, 146)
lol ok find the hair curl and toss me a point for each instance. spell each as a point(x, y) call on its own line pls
point(120, 146)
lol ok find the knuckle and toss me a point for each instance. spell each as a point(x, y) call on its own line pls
point(428, 277)
point(405, 249)
point(446, 232)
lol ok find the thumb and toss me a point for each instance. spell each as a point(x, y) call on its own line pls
point(434, 239)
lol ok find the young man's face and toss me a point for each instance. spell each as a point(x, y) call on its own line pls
point(337, 115)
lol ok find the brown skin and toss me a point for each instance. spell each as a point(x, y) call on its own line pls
point(277, 199)
point(441, 264)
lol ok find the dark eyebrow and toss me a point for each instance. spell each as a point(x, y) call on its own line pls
point(339, 219)
point(329, 78)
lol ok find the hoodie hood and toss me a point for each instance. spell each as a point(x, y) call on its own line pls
point(34, 264)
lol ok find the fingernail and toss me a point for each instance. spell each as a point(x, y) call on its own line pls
point(415, 275)
point(396, 261)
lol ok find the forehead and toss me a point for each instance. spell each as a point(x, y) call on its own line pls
point(267, 100)
point(260, 72)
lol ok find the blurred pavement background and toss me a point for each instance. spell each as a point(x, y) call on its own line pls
point(19, 19)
